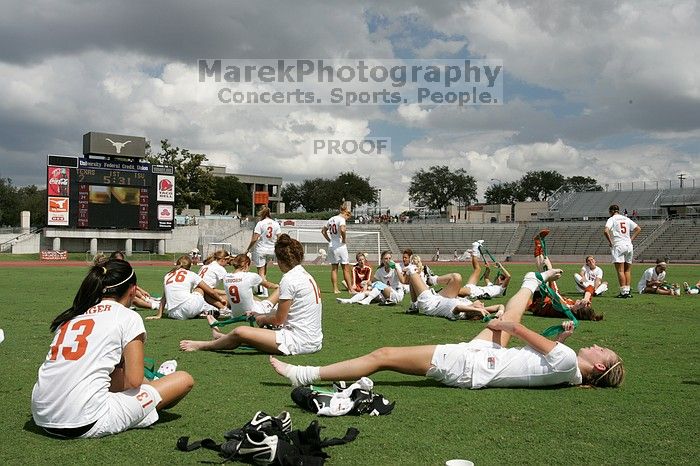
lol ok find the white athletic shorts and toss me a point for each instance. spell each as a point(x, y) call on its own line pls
point(290, 344)
point(262, 257)
point(262, 307)
point(338, 255)
point(189, 309)
point(131, 409)
point(453, 364)
point(395, 297)
point(432, 304)
point(622, 253)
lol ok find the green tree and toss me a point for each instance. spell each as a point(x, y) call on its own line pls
point(582, 183)
point(317, 194)
point(539, 185)
point(439, 186)
point(194, 183)
point(353, 188)
point(504, 193)
point(291, 196)
point(9, 206)
point(33, 199)
point(226, 190)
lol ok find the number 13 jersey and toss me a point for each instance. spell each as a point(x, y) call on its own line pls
point(74, 380)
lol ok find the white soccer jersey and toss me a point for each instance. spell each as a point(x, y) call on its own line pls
point(213, 274)
point(334, 224)
point(390, 278)
point(304, 317)
point(73, 383)
point(589, 275)
point(268, 230)
point(650, 275)
point(178, 286)
point(239, 291)
point(620, 228)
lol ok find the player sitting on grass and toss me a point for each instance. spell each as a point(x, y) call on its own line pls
point(239, 287)
point(213, 271)
point(91, 383)
point(484, 361)
point(652, 281)
point(183, 293)
point(542, 306)
point(591, 275)
point(361, 274)
point(387, 285)
point(490, 290)
point(298, 314)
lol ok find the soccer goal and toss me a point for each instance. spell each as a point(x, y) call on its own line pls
point(316, 246)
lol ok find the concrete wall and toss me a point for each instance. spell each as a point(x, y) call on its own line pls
point(527, 211)
point(27, 245)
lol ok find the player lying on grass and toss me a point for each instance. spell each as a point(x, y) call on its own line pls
point(91, 383)
point(652, 281)
point(484, 361)
point(183, 293)
point(444, 303)
point(142, 298)
point(691, 289)
point(542, 306)
point(298, 313)
point(386, 288)
point(490, 290)
point(428, 277)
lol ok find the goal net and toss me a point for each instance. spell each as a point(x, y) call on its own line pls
point(316, 246)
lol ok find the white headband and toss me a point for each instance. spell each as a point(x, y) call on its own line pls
point(120, 283)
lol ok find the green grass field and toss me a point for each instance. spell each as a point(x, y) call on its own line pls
point(652, 419)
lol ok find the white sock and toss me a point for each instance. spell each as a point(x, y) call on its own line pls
point(302, 375)
point(602, 288)
point(155, 303)
point(343, 300)
point(372, 294)
point(579, 280)
point(356, 298)
point(530, 282)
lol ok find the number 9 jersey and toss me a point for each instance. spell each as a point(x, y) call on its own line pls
point(73, 384)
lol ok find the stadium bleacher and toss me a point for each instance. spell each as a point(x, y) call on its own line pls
point(426, 239)
point(594, 204)
point(678, 242)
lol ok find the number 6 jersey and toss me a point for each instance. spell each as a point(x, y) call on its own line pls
point(74, 380)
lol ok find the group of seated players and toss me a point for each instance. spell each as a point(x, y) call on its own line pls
point(289, 323)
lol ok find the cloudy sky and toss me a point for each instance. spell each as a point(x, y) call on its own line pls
point(609, 89)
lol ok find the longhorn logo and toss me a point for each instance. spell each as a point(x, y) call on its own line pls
point(118, 146)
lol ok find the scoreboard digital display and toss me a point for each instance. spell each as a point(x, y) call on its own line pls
point(86, 192)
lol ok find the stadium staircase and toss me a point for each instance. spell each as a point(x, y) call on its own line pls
point(649, 240)
point(390, 241)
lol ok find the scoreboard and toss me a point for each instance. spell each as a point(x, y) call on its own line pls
point(85, 192)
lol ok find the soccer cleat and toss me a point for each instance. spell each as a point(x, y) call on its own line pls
point(686, 287)
point(258, 447)
point(280, 424)
point(413, 309)
point(542, 233)
point(621, 295)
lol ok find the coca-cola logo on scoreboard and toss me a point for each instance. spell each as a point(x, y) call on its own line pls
point(58, 181)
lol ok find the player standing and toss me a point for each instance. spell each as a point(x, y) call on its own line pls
point(334, 231)
point(264, 238)
point(620, 231)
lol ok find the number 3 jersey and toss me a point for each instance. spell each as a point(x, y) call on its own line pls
point(268, 230)
point(74, 380)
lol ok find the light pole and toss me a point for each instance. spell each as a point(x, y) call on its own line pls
point(237, 213)
point(380, 201)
